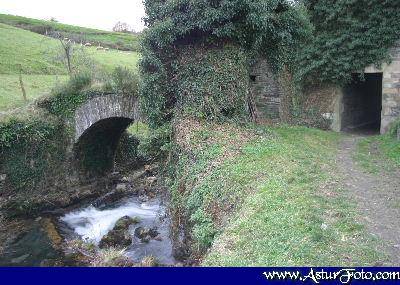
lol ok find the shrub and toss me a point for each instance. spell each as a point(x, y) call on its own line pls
point(29, 151)
point(394, 128)
point(124, 81)
point(157, 144)
point(66, 98)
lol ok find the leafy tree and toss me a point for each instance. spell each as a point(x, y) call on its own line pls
point(122, 27)
point(349, 36)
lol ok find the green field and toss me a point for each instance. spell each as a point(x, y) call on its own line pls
point(39, 60)
point(35, 86)
point(121, 41)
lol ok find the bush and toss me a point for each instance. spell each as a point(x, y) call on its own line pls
point(126, 152)
point(124, 81)
point(157, 144)
point(67, 98)
point(29, 151)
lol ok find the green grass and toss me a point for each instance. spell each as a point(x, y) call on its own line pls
point(34, 53)
point(37, 54)
point(378, 152)
point(113, 58)
point(35, 86)
point(139, 129)
point(37, 57)
point(108, 39)
point(289, 208)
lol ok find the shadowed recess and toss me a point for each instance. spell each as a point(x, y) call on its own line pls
point(96, 147)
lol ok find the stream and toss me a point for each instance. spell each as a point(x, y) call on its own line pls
point(41, 241)
point(92, 224)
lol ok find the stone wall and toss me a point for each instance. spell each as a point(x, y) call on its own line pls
point(266, 91)
point(391, 90)
point(324, 103)
point(330, 100)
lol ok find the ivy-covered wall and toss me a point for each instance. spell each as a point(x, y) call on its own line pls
point(212, 82)
point(267, 28)
point(348, 37)
point(32, 159)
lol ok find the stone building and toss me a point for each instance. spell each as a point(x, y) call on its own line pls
point(371, 104)
point(266, 90)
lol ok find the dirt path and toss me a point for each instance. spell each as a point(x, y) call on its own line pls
point(377, 198)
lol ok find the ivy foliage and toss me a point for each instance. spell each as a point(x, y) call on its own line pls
point(212, 82)
point(267, 27)
point(348, 36)
point(29, 151)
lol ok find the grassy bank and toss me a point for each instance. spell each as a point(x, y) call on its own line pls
point(379, 152)
point(268, 198)
point(108, 39)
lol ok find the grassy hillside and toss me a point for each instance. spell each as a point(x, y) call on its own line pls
point(267, 198)
point(38, 58)
point(113, 40)
point(34, 53)
point(35, 86)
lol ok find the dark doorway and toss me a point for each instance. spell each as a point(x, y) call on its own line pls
point(362, 104)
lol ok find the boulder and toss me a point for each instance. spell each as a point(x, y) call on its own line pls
point(119, 236)
point(146, 234)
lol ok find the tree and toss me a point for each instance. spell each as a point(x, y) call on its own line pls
point(67, 47)
point(122, 27)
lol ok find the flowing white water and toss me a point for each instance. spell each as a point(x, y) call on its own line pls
point(92, 224)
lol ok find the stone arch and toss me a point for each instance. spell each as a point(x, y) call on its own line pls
point(99, 124)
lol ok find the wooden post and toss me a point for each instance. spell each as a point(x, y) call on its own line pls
point(21, 83)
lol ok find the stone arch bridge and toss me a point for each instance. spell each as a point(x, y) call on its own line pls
point(98, 126)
